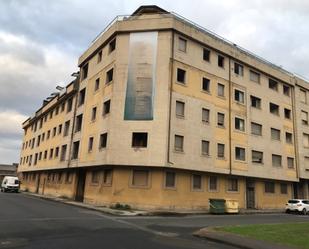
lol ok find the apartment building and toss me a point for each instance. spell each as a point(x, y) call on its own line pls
point(166, 115)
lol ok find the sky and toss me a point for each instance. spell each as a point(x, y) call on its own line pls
point(41, 40)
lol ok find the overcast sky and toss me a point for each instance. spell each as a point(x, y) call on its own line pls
point(40, 42)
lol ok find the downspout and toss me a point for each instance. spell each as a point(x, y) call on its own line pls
point(170, 100)
point(230, 117)
point(295, 135)
point(73, 120)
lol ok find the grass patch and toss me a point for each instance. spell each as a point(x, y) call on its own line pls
point(290, 234)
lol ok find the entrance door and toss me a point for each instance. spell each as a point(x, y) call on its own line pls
point(38, 183)
point(80, 188)
point(250, 194)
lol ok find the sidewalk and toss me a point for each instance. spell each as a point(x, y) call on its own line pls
point(236, 240)
point(132, 212)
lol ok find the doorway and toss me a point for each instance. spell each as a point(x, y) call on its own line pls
point(38, 183)
point(250, 194)
point(80, 188)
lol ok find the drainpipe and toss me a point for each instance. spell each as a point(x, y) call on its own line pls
point(170, 100)
point(230, 117)
point(76, 85)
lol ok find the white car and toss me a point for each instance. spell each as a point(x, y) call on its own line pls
point(297, 205)
point(10, 183)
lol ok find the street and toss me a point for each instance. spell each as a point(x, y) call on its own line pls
point(29, 222)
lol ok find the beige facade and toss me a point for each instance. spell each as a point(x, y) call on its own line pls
point(202, 118)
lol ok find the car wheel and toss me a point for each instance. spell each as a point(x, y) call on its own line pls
point(288, 211)
point(304, 212)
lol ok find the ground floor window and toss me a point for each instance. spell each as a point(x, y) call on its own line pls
point(232, 184)
point(107, 179)
point(213, 183)
point(196, 182)
point(170, 179)
point(95, 176)
point(140, 178)
point(269, 187)
point(283, 188)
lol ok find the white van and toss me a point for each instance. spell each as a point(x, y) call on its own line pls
point(10, 183)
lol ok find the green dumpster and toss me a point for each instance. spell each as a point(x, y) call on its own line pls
point(217, 206)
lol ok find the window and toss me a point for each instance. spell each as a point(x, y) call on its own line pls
point(51, 114)
point(45, 154)
point(54, 131)
point(139, 139)
point(81, 98)
point(38, 140)
point(57, 110)
point(239, 124)
point(274, 109)
point(112, 45)
point(257, 156)
point(283, 188)
point(99, 57)
point(303, 96)
point(304, 118)
point(288, 138)
point(232, 184)
point(239, 96)
point(109, 75)
point(306, 162)
point(43, 137)
point(205, 84)
point(205, 115)
point(238, 69)
point(57, 152)
point(206, 54)
point(70, 104)
point(51, 153)
point(272, 84)
point(79, 121)
point(205, 147)
point(196, 182)
point(35, 159)
point(66, 128)
point(106, 107)
point(75, 150)
point(140, 178)
point(255, 77)
point(287, 113)
point(220, 90)
point(107, 177)
point(213, 183)
point(182, 44)
point(59, 129)
point(170, 179)
point(276, 160)
point(97, 84)
point(95, 176)
point(290, 161)
point(220, 61)
point(220, 150)
point(286, 90)
point(103, 141)
point(90, 144)
point(181, 76)
point(40, 156)
point(85, 71)
point(220, 119)
point(269, 187)
point(180, 109)
point(306, 140)
point(275, 134)
point(93, 113)
point(256, 129)
point(178, 146)
point(62, 107)
point(240, 154)
point(255, 102)
point(68, 177)
point(63, 152)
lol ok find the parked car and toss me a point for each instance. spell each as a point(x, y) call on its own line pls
point(298, 206)
point(10, 183)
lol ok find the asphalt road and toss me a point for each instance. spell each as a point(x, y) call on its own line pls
point(29, 222)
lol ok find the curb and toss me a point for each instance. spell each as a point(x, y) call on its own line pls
point(236, 240)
